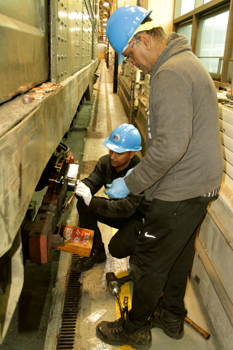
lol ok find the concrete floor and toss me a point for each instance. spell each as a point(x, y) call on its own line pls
point(96, 299)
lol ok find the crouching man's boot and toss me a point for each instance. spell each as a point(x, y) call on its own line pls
point(171, 324)
point(113, 333)
point(85, 264)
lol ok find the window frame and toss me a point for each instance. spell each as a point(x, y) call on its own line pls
point(194, 17)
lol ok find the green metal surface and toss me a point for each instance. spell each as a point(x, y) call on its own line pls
point(72, 25)
point(24, 57)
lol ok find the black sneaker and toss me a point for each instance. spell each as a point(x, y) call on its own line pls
point(85, 264)
point(171, 324)
point(113, 333)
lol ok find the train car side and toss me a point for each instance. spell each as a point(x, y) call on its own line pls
point(57, 44)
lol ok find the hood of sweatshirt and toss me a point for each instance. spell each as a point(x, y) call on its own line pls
point(176, 44)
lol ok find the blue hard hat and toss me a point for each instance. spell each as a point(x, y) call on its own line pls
point(123, 139)
point(121, 26)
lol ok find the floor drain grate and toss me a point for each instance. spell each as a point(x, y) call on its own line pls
point(70, 311)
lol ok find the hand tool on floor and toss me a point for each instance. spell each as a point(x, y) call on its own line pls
point(114, 285)
point(201, 331)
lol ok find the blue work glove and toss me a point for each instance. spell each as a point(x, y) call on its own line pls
point(117, 189)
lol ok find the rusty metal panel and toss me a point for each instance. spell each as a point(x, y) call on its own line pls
point(29, 134)
point(24, 46)
point(42, 230)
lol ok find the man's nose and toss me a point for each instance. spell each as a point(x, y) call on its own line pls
point(113, 155)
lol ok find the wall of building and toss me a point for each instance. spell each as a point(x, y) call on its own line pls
point(101, 50)
point(162, 13)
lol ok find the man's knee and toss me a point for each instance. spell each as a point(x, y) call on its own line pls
point(119, 249)
point(115, 250)
point(112, 250)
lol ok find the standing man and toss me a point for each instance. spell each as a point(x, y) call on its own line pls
point(180, 174)
point(125, 214)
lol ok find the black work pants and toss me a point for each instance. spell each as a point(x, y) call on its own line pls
point(123, 242)
point(162, 257)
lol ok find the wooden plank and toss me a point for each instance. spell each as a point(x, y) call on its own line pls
point(226, 128)
point(228, 169)
point(228, 181)
point(226, 114)
point(226, 141)
point(228, 155)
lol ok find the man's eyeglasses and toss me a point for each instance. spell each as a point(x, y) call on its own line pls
point(128, 56)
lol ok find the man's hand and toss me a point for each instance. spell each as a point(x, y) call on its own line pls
point(83, 191)
point(117, 189)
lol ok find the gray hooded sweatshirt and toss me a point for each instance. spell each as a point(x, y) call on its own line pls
point(183, 158)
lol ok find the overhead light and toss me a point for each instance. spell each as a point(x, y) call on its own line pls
point(105, 19)
point(104, 24)
point(106, 3)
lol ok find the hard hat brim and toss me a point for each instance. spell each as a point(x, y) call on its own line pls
point(120, 58)
point(107, 143)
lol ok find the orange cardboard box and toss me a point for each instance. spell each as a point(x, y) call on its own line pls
point(77, 240)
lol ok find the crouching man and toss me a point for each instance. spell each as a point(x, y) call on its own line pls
point(125, 214)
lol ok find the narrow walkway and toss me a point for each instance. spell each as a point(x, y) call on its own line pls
point(96, 300)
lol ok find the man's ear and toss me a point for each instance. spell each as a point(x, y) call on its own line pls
point(146, 40)
point(132, 154)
